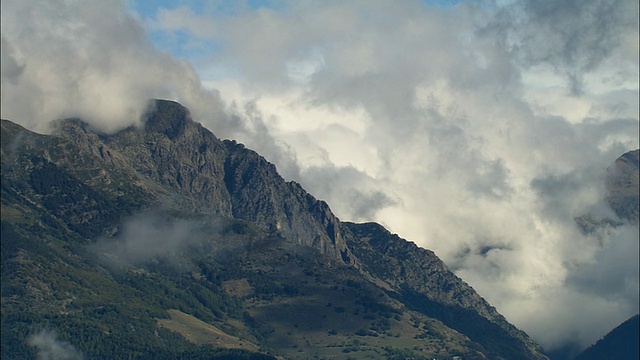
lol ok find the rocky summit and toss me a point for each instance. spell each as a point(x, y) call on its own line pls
point(164, 242)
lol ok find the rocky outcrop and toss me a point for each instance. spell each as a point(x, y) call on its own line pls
point(623, 186)
point(172, 154)
point(260, 195)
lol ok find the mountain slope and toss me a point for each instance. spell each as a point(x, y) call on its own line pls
point(423, 283)
point(127, 245)
point(620, 343)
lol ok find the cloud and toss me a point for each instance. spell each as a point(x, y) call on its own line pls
point(363, 201)
point(87, 59)
point(154, 235)
point(609, 274)
point(76, 60)
point(574, 37)
point(49, 347)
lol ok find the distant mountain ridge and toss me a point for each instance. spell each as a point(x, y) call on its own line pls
point(126, 245)
point(621, 343)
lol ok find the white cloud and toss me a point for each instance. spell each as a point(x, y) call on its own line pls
point(150, 235)
point(49, 347)
point(87, 59)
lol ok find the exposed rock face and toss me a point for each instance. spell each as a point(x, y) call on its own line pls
point(79, 186)
point(261, 196)
point(212, 176)
point(623, 195)
point(623, 185)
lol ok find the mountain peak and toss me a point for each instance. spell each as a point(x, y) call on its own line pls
point(167, 117)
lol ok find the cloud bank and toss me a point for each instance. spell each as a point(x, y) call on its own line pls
point(480, 131)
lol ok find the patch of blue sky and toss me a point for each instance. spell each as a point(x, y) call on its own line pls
point(179, 43)
point(270, 4)
point(147, 9)
point(183, 44)
point(442, 3)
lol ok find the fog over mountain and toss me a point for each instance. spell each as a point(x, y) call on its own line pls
point(480, 130)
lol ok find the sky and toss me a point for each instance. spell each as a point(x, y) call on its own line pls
point(477, 129)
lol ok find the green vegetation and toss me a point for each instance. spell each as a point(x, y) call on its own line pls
point(106, 315)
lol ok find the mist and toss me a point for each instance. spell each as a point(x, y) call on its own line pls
point(49, 347)
point(149, 235)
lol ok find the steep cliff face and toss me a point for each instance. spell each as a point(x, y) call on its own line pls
point(261, 196)
point(180, 155)
point(226, 239)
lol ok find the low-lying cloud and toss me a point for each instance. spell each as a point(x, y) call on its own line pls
point(49, 347)
point(150, 235)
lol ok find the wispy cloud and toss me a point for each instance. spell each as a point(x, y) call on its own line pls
point(150, 235)
point(49, 347)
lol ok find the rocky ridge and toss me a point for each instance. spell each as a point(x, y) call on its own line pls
point(285, 250)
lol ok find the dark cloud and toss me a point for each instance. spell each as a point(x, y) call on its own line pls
point(574, 37)
point(362, 201)
point(611, 273)
point(558, 193)
point(11, 68)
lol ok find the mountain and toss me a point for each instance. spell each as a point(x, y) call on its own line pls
point(622, 195)
point(620, 343)
point(163, 242)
